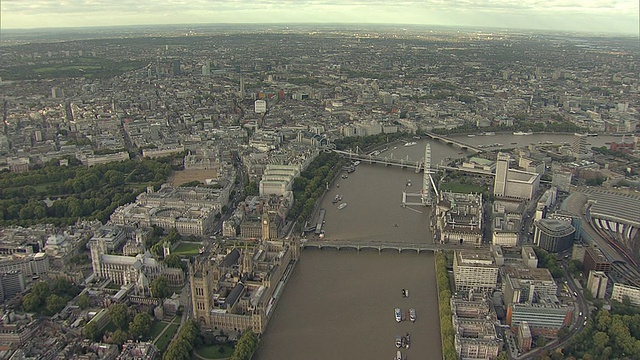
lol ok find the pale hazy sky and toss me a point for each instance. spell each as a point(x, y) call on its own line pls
point(613, 16)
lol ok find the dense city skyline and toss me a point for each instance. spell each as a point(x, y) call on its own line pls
point(612, 16)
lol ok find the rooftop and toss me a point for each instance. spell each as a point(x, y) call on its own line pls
point(555, 227)
point(618, 207)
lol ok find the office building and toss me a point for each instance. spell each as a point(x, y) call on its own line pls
point(597, 283)
point(12, 283)
point(562, 180)
point(511, 183)
point(475, 333)
point(553, 235)
point(542, 318)
point(524, 285)
point(579, 145)
point(524, 337)
point(621, 292)
point(17, 329)
point(175, 67)
point(502, 169)
point(594, 259)
point(529, 257)
point(475, 270)
point(459, 218)
point(476, 339)
point(260, 106)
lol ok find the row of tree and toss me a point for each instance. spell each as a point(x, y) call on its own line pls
point(246, 346)
point(444, 307)
point(310, 185)
point(367, 142)
point(182, 345)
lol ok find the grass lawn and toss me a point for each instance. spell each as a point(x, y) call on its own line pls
point(156, 329)
point(213, 351)
point(462, 188)
point(164, 340)
point(187, 249)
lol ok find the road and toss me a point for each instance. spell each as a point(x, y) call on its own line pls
point(582, 307)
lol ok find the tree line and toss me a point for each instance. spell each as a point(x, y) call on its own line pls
point(310, 185)
point(183, 344)
point(246, 346)
point(444, 308)
point(61, 195)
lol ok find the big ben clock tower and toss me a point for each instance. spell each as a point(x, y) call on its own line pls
point(265, 226)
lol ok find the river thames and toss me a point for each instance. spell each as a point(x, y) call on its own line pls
point(339, 304)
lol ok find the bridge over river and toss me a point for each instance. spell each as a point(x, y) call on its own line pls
point(381, 246)
point(453, 142)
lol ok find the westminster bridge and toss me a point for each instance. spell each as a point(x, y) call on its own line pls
point(381, 246)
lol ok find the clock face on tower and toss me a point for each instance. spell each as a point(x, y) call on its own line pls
point(264, 221)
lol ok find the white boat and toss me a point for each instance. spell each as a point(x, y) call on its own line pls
point(522, 133)
point(356, 163)
point(398, 341)
point(412, 315)
point(398, 314)
point(471, 135)
point(342, 206)
point(410, 143)
point(398, 355)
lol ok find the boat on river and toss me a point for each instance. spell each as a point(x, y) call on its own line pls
point(342, 206)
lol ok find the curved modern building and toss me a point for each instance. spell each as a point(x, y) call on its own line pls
point(553, 235)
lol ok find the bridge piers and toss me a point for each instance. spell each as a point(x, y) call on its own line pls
point(380, 246)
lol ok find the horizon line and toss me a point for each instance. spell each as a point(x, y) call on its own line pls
point(239, 24)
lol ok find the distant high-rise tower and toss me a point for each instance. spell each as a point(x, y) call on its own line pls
point(206, 68)
point(502, 170)
point(176, 67)
point(579, 146)
point(241, 93)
